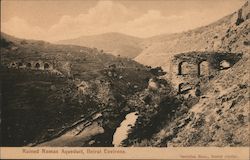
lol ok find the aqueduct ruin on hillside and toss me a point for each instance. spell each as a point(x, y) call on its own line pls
point(38, 65)
point(189, 71)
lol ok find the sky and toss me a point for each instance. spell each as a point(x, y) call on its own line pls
point(54, 20)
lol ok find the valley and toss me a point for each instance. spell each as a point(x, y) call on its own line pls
point(179, 90)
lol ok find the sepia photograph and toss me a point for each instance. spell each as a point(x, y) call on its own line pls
point(115, 77)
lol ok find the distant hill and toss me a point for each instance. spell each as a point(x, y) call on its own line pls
point(80, 58)
point(228, 34)
point(156, 50)
point(113, 43)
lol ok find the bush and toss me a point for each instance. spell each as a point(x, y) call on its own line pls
point(157, 71)
point(4, 43)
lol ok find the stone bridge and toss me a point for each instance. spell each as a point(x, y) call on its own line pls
point(189, 72)
point(35, 65)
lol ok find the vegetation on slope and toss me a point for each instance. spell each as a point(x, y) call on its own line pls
point(220, 118)
point(39, 104)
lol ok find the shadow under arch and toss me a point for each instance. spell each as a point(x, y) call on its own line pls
point(37, 65)
point(182, 68)
point(46, 65)
point(28, 65)
point(203, 68)
point(184, 88)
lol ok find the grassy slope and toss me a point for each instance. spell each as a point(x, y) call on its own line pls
point(30, 106)
point(39, 104)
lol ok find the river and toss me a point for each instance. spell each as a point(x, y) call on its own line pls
point(122, 131)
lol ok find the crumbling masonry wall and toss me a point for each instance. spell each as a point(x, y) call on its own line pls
point(189, 72)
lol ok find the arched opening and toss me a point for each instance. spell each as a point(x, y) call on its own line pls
point(183, 68)
point(183, 88)
point(28, 65)
point(46, 66)
point(224, 65)
point(37, 66)
point(13, 64)
point(203, 68)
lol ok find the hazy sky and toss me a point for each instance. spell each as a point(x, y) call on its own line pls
point(53, 20)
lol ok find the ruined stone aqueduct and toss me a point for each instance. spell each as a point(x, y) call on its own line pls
point(35, 65)
point(191, 71)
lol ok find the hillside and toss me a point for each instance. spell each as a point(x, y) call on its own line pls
point(113, 43)
point(48, 89)
point(228, 34)
point(70, 95)
point(156, 50)
point(220, 118)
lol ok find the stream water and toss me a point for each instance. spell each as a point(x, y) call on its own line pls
point(122, 131)
point(81, 134)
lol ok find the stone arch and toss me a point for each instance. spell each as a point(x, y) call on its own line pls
point(203, 68)
point(37, 65)
point(183, 68)
point(13, 64)
point(28, 65)
point(184, 87)
point(224, 64)
point(46, 66)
